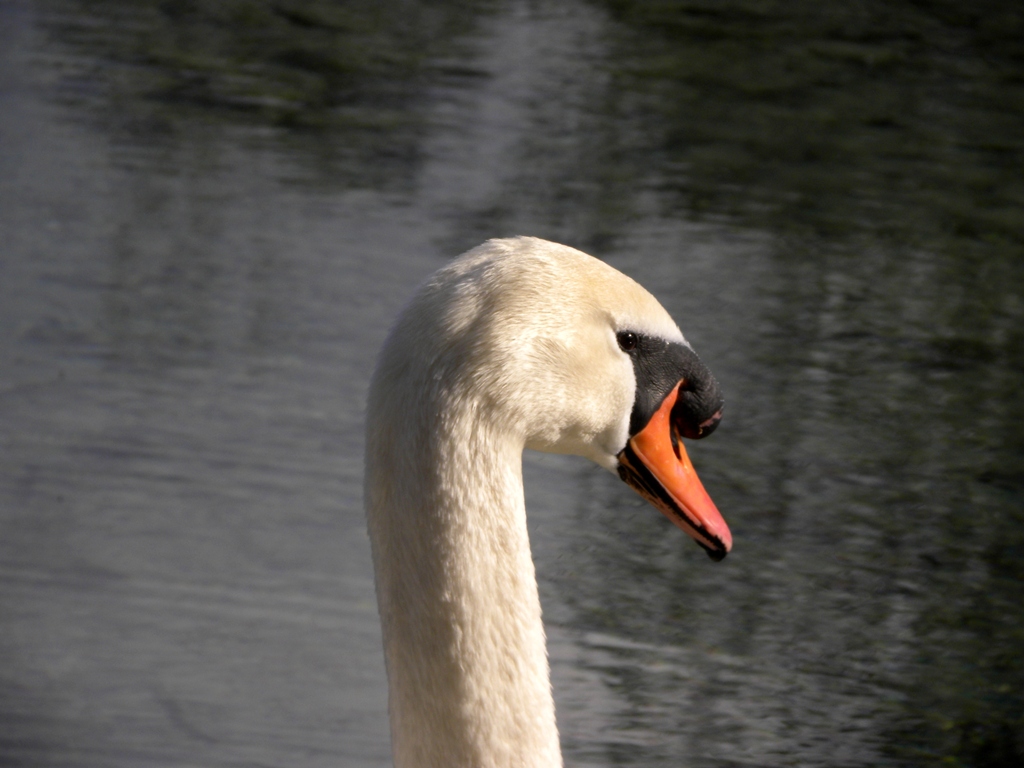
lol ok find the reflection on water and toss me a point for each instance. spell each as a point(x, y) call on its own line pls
point(212, 211)
point(839, 119)
point(341, 83)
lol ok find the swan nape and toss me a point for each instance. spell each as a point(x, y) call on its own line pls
point(518, 343)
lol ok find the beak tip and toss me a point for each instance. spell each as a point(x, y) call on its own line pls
point(723, 541)
point(718, 555)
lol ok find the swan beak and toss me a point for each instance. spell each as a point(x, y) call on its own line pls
point(654, 463)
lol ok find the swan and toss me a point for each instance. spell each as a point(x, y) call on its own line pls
point(518, 343)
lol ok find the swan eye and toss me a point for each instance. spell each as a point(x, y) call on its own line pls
point(627, 340)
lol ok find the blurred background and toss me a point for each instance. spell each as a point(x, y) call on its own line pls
point(211, 211)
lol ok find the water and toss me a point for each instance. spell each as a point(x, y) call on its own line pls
point(210, 214)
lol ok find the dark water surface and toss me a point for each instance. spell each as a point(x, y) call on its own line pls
point(209, 215)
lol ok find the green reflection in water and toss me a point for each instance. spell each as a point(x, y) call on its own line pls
point(342, 82)
point(906, 119)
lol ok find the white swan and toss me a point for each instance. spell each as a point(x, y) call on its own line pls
point(517, 343)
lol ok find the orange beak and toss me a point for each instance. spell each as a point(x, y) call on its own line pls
point(655, 464)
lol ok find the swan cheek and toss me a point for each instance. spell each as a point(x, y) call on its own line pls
point(654, 463)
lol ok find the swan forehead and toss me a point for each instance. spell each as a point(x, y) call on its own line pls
point(632, 308)
point(536, 283)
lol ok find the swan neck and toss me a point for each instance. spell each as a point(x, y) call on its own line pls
point(464, 642)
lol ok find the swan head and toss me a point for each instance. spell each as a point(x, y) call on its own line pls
point(562, 353)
